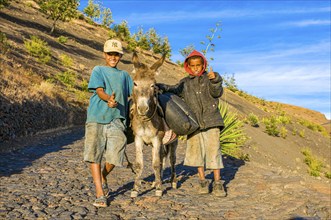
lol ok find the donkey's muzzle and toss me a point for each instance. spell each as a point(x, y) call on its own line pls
point(142, 110)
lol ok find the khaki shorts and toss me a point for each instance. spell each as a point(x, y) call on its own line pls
point(203, 149)
point(105, 140)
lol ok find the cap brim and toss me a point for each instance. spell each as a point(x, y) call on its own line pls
point(117, 51)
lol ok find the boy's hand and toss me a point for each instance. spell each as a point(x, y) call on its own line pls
point(211, 74)
point(156, 89)
point(111, 101)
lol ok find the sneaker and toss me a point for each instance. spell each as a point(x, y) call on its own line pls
point(218, 189)
point(203, 187)
point(101, 202)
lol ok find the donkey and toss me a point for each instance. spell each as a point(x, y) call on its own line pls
point(148, 126)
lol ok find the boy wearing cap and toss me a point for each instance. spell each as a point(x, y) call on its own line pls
point(106, 118)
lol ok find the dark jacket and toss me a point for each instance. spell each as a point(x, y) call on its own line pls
point(202, 95)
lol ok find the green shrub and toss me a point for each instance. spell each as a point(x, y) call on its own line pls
point(62, 39)
point(84, 86)
point(253, 120)
point(51, 80)
point(302, 133)
point(283, 119)
point(122, 31)
point(210, 43)
point(68, 78)
point(244, 157)
point(328, 174)
point(314, 127)
point(4, 3)
point(29, 4)
point(80, 16)
point(187, 50)
point(56, 10)
point(92, 10)
point(66, 60)
point(232, 136)
point(112, 34)
point(314, 164)
point(38, 49)
point(106, 17)
point(149, 41)
point(230, 83)
point(81, 96)
point(272, 126)
point(283, 132)
point(4, 45)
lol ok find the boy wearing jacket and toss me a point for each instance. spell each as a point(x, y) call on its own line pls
point(201, 92)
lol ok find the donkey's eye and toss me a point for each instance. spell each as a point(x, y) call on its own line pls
point(152, 86)
point(134, 83)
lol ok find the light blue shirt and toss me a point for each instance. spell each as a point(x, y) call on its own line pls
point(112, 80)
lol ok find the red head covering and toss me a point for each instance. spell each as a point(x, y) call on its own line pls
point(195, 53)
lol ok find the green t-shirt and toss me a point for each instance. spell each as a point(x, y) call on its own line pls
point(112, 80)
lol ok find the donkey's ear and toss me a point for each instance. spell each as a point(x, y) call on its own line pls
point(158, 63)
point(135, 60)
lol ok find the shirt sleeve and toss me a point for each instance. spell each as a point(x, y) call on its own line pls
point(176, 89)
point(96, 80)
point(130, 84)
point(215, 87)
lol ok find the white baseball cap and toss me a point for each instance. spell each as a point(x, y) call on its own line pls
point(113, 46)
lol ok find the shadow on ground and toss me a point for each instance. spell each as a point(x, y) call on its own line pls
point(15, 161)
point(228, 173)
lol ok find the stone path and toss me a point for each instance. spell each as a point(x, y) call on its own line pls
point(49, 180)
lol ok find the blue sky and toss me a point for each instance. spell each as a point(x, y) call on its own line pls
point(277, 50)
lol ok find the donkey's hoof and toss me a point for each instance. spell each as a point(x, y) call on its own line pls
point(134, 194)
point(158, 193)
point(174, 185)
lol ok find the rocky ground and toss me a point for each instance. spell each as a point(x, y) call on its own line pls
point(47, 179)
point(42, 175)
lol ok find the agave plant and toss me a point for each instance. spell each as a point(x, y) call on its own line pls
point(232, 136)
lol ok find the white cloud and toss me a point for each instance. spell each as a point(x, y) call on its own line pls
point(201, 14)
point(302, 10)
point(306, 23)
point(277, 53)
point(286, 80)
point(308, 86)
point(293, 75)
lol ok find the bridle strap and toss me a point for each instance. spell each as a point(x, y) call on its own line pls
point(148, 118)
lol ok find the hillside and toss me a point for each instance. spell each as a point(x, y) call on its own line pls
point(34, 99)
point(42, 115)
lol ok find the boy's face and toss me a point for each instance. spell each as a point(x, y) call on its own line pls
point(112, 58)
point(195, 65)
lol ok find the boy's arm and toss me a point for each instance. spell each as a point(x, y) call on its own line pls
point(107, 98)
point(215, 88)
point(176, 89)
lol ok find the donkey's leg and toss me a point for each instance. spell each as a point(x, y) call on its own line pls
point(138, 166)
point(156, 163)
point(163, 158)
point(172, 151)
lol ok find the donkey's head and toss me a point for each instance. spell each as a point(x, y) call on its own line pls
point(144, 81)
